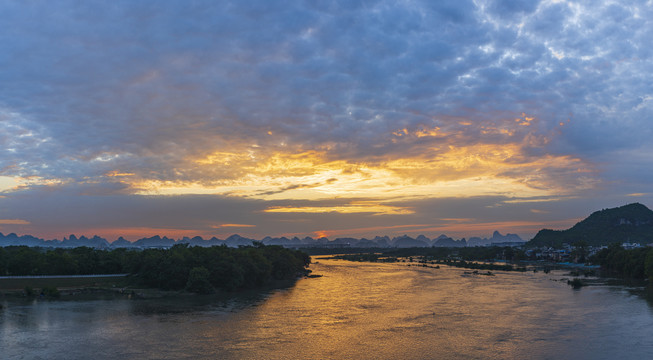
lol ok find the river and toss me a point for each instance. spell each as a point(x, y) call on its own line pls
point(355, 311)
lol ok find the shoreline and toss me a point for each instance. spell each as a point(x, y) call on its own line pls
point(114, 287)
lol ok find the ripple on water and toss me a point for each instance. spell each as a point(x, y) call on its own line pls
point(356, 310)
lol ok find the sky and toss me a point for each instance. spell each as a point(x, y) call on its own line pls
point(321, 118)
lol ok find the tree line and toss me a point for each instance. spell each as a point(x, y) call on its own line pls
point(632, 263)
point(475, 253)
point(614, 260)
point(196, 269)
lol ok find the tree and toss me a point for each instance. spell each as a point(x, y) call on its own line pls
point(508, 252)
point(198, 281)
point(649, 264)
point(579, 254)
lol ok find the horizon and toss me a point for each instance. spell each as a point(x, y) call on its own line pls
point(348, 120)
point(176, 239)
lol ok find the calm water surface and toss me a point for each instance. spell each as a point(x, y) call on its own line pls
point(355, 311)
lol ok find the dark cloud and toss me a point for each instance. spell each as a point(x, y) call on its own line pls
point(58, 213)
point(62, 209)
point(147, 88)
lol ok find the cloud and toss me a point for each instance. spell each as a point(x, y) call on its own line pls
point(637, 194)
point(512, 8)
point(232, 226)
point(268, 101)
point(355, 207)
point(13, 222)
point(537, 211)
point(58, 213)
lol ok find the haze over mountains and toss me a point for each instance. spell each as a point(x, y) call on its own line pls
point(237, 240)
point(628, 223)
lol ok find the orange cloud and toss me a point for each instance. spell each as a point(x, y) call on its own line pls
point(13, 222)
point(355, 207)
point(436, 163)
point(537, 211)
point(117, 173)
point(232, 225)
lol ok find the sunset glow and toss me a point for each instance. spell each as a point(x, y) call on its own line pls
point(513, 117)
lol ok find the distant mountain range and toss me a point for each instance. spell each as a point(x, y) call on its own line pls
point(235, 240)
point(629, 223)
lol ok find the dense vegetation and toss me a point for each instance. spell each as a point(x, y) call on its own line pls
point(614, 260)
point(628, 223)
point(634, 263)
point(197, 269)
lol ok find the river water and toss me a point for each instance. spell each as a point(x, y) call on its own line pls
point(355, 311)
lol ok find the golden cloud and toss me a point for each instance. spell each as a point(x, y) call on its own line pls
point(361, 207)
point(117, 173)
point(435, 163)
point(13, 222)
point(232, 225)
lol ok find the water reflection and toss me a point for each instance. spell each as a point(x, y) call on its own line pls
point(356, 310)
point(197, 303)
point(645, 291)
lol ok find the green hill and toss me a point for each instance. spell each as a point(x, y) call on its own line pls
point(628, 223)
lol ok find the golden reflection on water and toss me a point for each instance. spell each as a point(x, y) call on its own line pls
point(355, 311)
point(363, 310)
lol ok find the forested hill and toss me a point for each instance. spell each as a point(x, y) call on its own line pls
point(628, 223)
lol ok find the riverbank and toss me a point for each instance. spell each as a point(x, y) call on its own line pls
point(13, 283)
point(66, 286)
point(107, 286)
